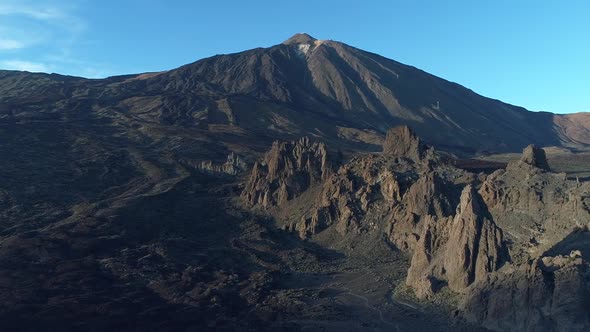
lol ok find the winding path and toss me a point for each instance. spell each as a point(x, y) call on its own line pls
point(368, 306)
point(366, 302)
point(372, 308)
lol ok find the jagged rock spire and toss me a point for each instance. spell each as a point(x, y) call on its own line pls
point(402, 142)
point(535, 156)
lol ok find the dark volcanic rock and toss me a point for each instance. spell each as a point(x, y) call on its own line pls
point(535, 207)
point(459, 237)
point(430, 196)
point(371, 185)
point(110, 218)
point(475, 246)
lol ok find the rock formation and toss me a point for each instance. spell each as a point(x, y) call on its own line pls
point(546, 294)
point(544, 216)
point(535, 207)
point(402, 142)
point(428, 196)
point(535, 156)
point(348, 195)
point(456, 251)
point(232, 166)
point(473, 234)
point(105, 225)
point(475, 246)
point(286, 171)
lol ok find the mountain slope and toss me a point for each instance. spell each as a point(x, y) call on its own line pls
point(120, 198)
point(356, 90)
point(325, 89)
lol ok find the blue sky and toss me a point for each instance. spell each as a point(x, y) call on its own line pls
point(530, 53)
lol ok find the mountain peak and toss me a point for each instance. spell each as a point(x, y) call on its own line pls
point(300, 38)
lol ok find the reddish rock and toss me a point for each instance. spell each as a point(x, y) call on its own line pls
point(402, 142)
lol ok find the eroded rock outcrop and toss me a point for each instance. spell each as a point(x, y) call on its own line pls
point(546, 285)
point(485, 237)
point(535, 207)
point(402, 142)
point(286, 171)
point(535, 156)
point(428, 198)
point(551, 293)
point(371, 188)
point(456, 250)
point(348, 196)
point(475, 243)
point(232, 166)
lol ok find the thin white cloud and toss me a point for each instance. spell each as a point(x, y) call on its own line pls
point(28, 26)
point(10, 44)
point(39, 13)
point(46, 21)
point(34, 67)
point(53, 26)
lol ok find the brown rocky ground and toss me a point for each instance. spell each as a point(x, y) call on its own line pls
point(130, 203)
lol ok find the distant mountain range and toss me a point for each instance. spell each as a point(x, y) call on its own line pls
point(303, 86)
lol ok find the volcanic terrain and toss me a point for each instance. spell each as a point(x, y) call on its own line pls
point(309, 185)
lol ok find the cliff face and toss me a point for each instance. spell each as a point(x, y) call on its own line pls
point(534, 156)
point(457, 251)
point(536, 208)
point(423, 206)
point(475, 243)
point(546, 294)
point(430, 197)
